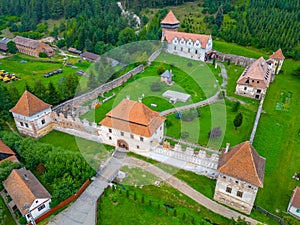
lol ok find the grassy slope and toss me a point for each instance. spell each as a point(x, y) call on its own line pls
point(118, 213)
point(277, 139)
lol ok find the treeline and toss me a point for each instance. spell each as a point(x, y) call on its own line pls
point(263, 24)
point(141, 4)
point(62, 170)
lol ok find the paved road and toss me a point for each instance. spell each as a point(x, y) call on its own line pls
point(187, 190)
point(83, 210)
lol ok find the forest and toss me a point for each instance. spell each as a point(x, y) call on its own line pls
point(98, 26)
point(265, 25)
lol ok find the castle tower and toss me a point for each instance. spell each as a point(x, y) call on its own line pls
point(241, 172)
point(32, 116)
point(278, 57)
point(170, 23)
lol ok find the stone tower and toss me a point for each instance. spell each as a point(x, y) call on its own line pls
point(241, 173)
point(32, 116)
point(170, 23)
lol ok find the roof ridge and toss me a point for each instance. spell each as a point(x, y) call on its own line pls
point(254, 165)
point(24, 182)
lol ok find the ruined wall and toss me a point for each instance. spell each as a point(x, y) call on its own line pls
point(236, 59)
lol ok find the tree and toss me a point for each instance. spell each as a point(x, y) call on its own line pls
point(6, 102)
point(39, 90)
point(238, 120)
point(236, 106)
point(52, 95)
point(11, 47)
point(43, 55)
point(126, 35)
point(215, 133)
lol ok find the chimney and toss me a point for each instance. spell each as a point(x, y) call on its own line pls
point(227, 147)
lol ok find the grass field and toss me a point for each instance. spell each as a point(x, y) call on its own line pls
point(8, 219)
point(35, 68)
point(214, 115)
point(113, 208)
point(278, 141)
point(92, 151)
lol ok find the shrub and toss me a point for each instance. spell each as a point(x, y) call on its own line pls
point(22, 220)
point(215, 132)
point(156, 86)
point(221, 95)
point(43, 55)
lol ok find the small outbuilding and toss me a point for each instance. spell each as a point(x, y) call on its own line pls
point(294, 205)
point(166, 77)
point(175, 96)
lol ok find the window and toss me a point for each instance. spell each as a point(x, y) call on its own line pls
point(22, 124)
point(189, 50)
point(109, 138)
point(36, 201)
point(26, 124)
point(160, 128)
point(141, 139)
point(138, 147)
point(228, 189)
point(110, 130)
point(28, 216)
point(236, 182)
point(245, 88)
point(122, 133)
point(182, 49)
point(239, 194)
point(43, 121)
point(249, 186)
point(174, 47)
point(41, 207)
point(132, 136)
point(196, 51)
point(224, 177)
point(297, 210)
point(257, 81)
point(258, 90)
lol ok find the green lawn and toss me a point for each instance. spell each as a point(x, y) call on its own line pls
point(8, 219)
point(113, 207)
point(214, 115)
point(92, 151)
point(278, 141)
point(232, 48)
point(197, 80)
point(35, 68)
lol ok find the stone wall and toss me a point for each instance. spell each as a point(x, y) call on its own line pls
point(198, 162)
point(74, 106)
point(236, 59)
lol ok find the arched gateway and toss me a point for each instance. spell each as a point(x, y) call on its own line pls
point(123, 144)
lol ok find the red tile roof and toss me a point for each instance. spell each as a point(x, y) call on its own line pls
point(29, 105)
point(256, 72)
point(170, 35)
point(277, 55)
point(133, 117)
point(295, 200)
point(8, 153)
point(243, 163)
point(24, 191)
point(170, 19)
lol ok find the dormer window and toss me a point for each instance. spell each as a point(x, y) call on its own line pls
point(182, 41)
point(175, 41)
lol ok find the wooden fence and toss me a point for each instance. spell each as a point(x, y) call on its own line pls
point(64, 203)
point(269, 214)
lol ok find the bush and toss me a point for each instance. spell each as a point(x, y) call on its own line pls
point(43, 55)
point(215, 132)
point(221, 95)
point(156, 86)
point(22, 220)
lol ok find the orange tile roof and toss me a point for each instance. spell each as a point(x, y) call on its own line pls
point(29, 105)
point(170, 19)
point(8, 154)
point(243, 163)
point(295, 200)
point(256, 72)
point(24, 191)
point(277, 55)
point(170, 35)
point(134, 117)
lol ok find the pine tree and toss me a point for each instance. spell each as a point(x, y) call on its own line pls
point(238, 120)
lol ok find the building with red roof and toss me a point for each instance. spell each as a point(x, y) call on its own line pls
point(193, 46)
point(132, 125)
point(294, 205)
point(278, 59)
point(241, 172)
point(6, 154)
point(32, 116)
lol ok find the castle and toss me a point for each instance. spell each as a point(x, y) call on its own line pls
point(193, 46)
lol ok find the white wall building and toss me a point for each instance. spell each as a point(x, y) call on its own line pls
point(27, 193)
point(241, 172)
point(254, 80)
point(132, 125)
point(193, 46)
point(294, 205)
point(32, 116)
point(278, 59)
